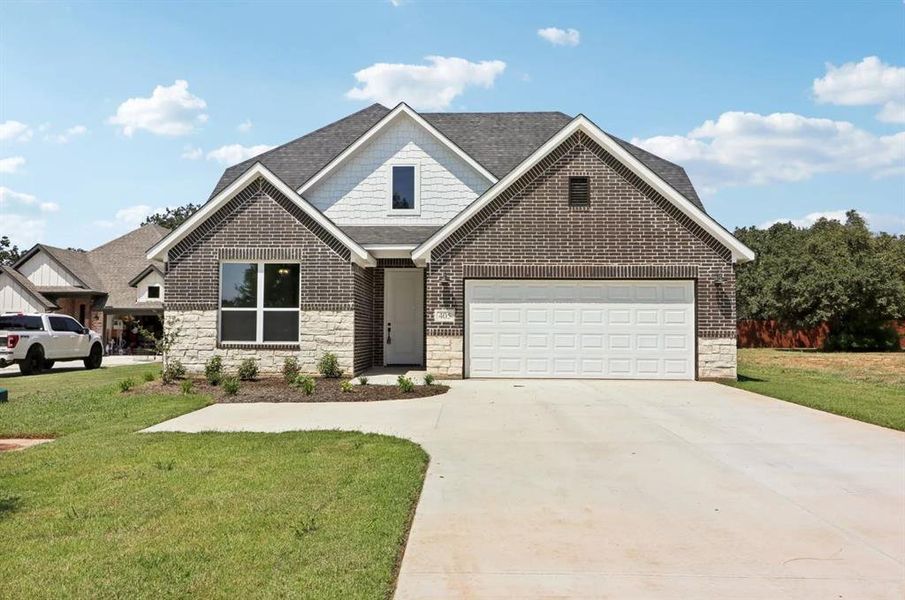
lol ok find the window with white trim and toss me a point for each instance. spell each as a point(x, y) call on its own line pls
point(259, 302)
point(404, 190)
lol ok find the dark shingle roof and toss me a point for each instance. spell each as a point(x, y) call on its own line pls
point(118, 261)
point(498, 141)
point(389, 234)
point(297, 161)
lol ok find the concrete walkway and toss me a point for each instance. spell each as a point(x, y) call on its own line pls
point(572, 489)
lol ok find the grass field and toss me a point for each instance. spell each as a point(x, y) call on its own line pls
point(867, 386)
point(107, 512)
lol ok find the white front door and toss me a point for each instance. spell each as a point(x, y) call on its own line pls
point(403, 316)
point(581, 329)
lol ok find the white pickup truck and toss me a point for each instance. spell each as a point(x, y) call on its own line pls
point(36, 341)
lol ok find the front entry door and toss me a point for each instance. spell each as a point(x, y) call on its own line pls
point(403, 316)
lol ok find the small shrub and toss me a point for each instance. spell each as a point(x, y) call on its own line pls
point(230, 386)
point(405, 384)
point(213, 370)
point(173, 371)
point(188, 386)
point(305, 383)
point(346, 386)
point(362, 380)
point(248, 369)
point(149, 376)
point(428, 379)
point(126, 384)
point(291, 369)
point(328, 366)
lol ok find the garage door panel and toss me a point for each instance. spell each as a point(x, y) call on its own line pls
point(594, 329)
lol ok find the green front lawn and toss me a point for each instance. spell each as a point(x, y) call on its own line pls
point(863, 386)
point(105, 512)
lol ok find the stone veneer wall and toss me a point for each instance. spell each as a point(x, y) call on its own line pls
point(444, 355)
point(319, 331)
point(717, 358)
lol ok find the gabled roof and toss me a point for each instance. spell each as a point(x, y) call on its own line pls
point(694, 211)
point(29, 287)
point(105, 270)
point(497, 141)
point(117, 261)
point(160, 249)
point(74, 262)
point(144, 273)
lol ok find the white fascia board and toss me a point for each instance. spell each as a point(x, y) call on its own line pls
point(159, 251)
point(401, 109)
point(390, 250)
point(740, 252)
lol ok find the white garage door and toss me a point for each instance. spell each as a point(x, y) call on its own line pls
point(590, 329)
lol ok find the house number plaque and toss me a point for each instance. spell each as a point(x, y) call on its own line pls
point(444, 315)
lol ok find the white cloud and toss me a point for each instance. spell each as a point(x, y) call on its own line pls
point(66, 136)
point(26, 231)
point(560, 37)
point(875, 221)
point(245, 126)
point(236, 153)
point(128, 218)
point(430, 87)
point(869, 82)
point(741, 148)
point(396, 3)
point(192, 153)
point(19, 218)
point(11, 164)
point(17, 130)
point(9, 197)
point(169, 110)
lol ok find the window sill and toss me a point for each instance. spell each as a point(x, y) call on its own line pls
point(401, 212)
point(258, 346)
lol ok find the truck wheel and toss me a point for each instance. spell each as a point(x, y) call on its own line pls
point(94, 357)
point(33, 362)
point(48, 365)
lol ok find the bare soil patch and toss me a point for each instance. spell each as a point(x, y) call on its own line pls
point(10, 444)
point(275, 389)
point(874, 367)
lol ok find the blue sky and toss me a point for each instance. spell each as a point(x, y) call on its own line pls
point(778, 111)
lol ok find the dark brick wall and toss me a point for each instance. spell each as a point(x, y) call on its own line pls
point(255, 226)
point(363, 291)
point(628, 231)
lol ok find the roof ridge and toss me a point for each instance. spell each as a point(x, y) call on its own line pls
point(258, 157)
point(498, 112)
point(127, 234)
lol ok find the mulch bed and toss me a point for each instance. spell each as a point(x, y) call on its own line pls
point(275, 389)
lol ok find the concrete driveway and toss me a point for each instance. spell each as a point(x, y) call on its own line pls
point(576, 489)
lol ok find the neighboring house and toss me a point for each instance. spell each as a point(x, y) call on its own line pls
point(474, 244)
point(101, 288)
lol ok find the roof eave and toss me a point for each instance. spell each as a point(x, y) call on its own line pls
point(159, 251)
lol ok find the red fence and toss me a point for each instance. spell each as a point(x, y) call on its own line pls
point(769, 334)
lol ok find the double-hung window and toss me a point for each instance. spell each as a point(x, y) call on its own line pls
point(259, 302)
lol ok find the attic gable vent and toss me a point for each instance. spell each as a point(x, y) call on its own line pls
point(579, 191)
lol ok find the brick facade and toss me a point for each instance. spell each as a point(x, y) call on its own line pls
point(628, 231)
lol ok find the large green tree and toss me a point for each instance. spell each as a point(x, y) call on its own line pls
point(838, 273)
point(9, 253)
point(171, 218)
